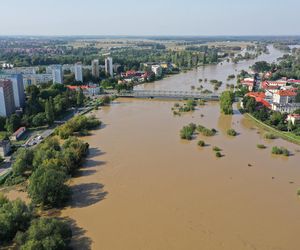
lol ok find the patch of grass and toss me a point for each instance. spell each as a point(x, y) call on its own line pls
point(261, 146)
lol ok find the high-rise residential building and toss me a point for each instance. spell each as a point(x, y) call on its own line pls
point(78, 72)
point(57, 74)
point(109, 70)
point(7, 103)
point(95, 68)
point(18, 88)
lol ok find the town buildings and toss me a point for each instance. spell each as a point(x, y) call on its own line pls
point(5, 147)
point(57, 74)
point(109, 70)
point(18, 88)
point(157, 70)
point(78, 72)
point(7, 103)
point(95, 68)
point(88, 90)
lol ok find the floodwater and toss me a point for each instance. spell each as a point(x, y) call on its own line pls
point(145, 188)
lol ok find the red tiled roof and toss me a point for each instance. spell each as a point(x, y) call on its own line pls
point(293, 81)
point(19, 130)
point(256, 94)
point(259, 97)
point(286, 93)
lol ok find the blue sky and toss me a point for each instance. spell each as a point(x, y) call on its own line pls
point(150, 17)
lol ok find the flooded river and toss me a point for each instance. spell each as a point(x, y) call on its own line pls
point(142, 187)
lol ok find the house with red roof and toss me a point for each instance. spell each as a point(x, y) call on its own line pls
point(90, 90)
point(260, 98)
point(293, 118)
point(249, 82)
point(284, 101)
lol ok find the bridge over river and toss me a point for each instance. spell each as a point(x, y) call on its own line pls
point(169, 94)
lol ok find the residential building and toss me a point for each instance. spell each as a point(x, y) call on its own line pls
point(78, 72)
point(18, 88)
point(157, 70)
point(5, 148)
point(36, 79)
point(95, 68)
point(7, 102)
point(293, 118)
point(249, 83)
point(18, 133)
point(109, 70)
point(88, 90)
point(283, 97)
point(57, 74)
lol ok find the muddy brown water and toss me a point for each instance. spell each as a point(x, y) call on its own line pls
point(143, 187)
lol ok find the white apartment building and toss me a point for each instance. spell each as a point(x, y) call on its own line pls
point(95, 68)
point(78, 72)
point(7, 103)
point(57, 74)
point(18, 88)
point(109, 70)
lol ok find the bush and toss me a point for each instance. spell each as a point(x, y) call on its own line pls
point(205, 131)
point(187, 132)
point(217, 149)
point(280, 151)
point(270, 136)
point(231, 132)
point(218, 154)
point(261, 146)
point(201, 143)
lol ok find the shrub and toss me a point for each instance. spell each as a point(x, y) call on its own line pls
point(201, 143)
point(216, 149)
point(270, 136)
point(218, 154)
point(231, 132)
point(205, 131)
point(261, 146)
point(280, 151)
point(187, 132)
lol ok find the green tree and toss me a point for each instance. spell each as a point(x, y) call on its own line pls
point(13, 123)
point(49, 110)
point(80, 98)
point(14, 216)
point(47, 185)
point(226, 101)
point(46, 234)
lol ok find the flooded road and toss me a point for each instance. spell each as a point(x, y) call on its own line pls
point(142, 187)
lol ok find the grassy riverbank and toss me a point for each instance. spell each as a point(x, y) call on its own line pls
point(284, 135)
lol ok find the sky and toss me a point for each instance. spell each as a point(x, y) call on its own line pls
point(149, 17)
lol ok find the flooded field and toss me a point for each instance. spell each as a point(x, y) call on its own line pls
point(145, 188)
